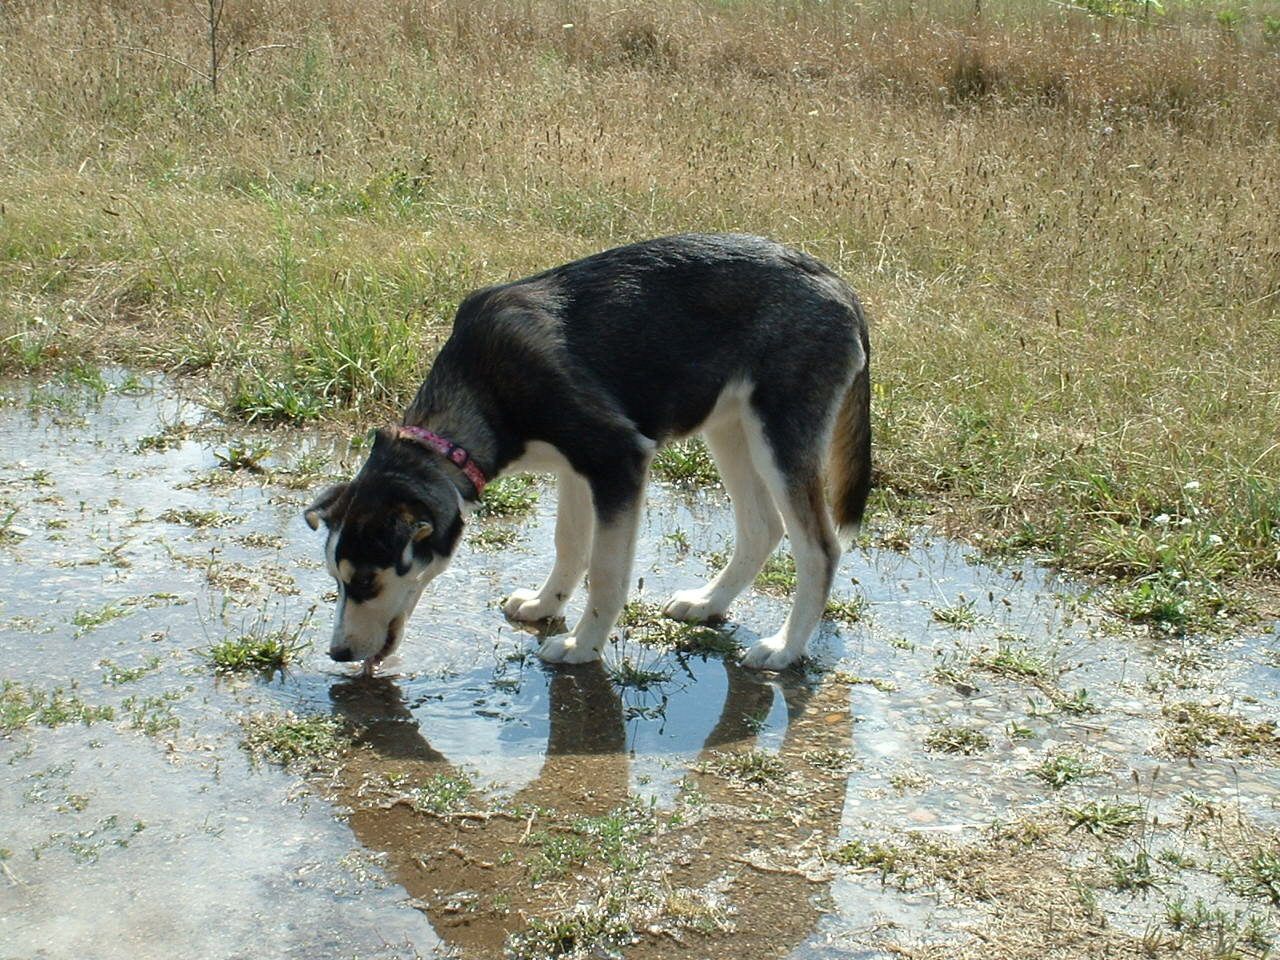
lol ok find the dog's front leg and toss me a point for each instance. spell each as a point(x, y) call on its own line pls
point(573, 538)
point(612, 550)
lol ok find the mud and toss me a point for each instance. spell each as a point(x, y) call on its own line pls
point(660, 804)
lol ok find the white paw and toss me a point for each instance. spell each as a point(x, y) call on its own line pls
point(566, 649)
point(770, 653)
point(693, 606)
point(529, 606)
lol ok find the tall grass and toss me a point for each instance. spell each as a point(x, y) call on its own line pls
point(1065, 224)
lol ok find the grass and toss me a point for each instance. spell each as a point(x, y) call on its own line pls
point(261, 649)
point(25, 706)
point(952, 738)
point(1192, 730)
point(688, 462)
point(513, 496)
point(310, 740)
point(755, 768)
point(1061, 769)
point(1104, 817)
point(1072, 202)
point(643, 621)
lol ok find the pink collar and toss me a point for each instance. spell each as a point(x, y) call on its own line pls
point(451, 451)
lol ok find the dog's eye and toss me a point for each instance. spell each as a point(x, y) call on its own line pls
point(362, 580)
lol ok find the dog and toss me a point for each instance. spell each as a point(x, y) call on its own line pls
point(584, 371)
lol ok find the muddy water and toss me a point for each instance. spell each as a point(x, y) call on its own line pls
point(140, 531)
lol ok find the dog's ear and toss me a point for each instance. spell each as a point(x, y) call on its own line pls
point(320, 507)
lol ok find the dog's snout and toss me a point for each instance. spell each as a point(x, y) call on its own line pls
point(341, 654)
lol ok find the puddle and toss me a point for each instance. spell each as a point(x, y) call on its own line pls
point(673, 800)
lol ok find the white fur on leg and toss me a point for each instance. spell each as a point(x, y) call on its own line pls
point(757, 527)
point(612, 549)
point(574, 520)
point(815, 548)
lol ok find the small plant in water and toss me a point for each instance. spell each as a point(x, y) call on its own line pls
point(956, 739)
point(686, 461)
point(755, 767)
point(444, 793)
point(1101, 817)
point(260, 649)
point(778, 575)
point(1063, 768)
point(288, 738)
point(512, 496)
point(962, 615)
point(244, 456)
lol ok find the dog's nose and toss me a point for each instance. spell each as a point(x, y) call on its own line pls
point(341, 654)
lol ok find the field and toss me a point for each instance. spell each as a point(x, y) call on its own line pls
point(1064, 222)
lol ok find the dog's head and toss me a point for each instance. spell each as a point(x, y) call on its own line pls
point(391, 530)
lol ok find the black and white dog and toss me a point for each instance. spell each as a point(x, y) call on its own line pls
point(584, 371)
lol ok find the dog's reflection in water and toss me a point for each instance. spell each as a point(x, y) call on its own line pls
point(742, 851)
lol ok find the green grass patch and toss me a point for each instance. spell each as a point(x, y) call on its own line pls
point(513, 496)
point(1103, 817)
point(686, 462)
point(1061, 769)
point(309, 740)
point(756, 768)
point(24, 706)
point(644, 622)
point(261, 649)
point(955, 738)
point(1192, 730)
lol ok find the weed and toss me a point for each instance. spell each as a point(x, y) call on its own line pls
point(626, 674)
point(153, 715)
point(1101, 817)
point(644, 622)
point(200, 519)
point(23, 706)
point(1257, 877)
point(310, 740)
point(753, 767)
point(1060, 769)
point(244, 455)
point(86, 620)
point(115, 675)
point(947, 738)
point(1191, 728)
point(261, 649)
point(961, 615)
point(1133, 874)
point(1077, 705)
point(847, 610)
point(493, 537)
point(513, 496)
point(844, 676)
point(778, 575)
point(443, 793)
point(688, 462)
point(1012, 659)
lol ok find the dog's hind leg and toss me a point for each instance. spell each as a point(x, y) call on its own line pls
point(574, 522)
point(757, 528)
point(800, 496)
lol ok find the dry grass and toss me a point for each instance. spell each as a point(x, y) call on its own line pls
point(1065, 225)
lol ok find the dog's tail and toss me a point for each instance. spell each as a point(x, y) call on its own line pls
point(851, 450)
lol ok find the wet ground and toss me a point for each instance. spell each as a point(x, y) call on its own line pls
point(973, 763)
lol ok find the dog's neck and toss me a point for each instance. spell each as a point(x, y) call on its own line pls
point(460, 422)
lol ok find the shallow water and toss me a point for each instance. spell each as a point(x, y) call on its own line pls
point(153, 832)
